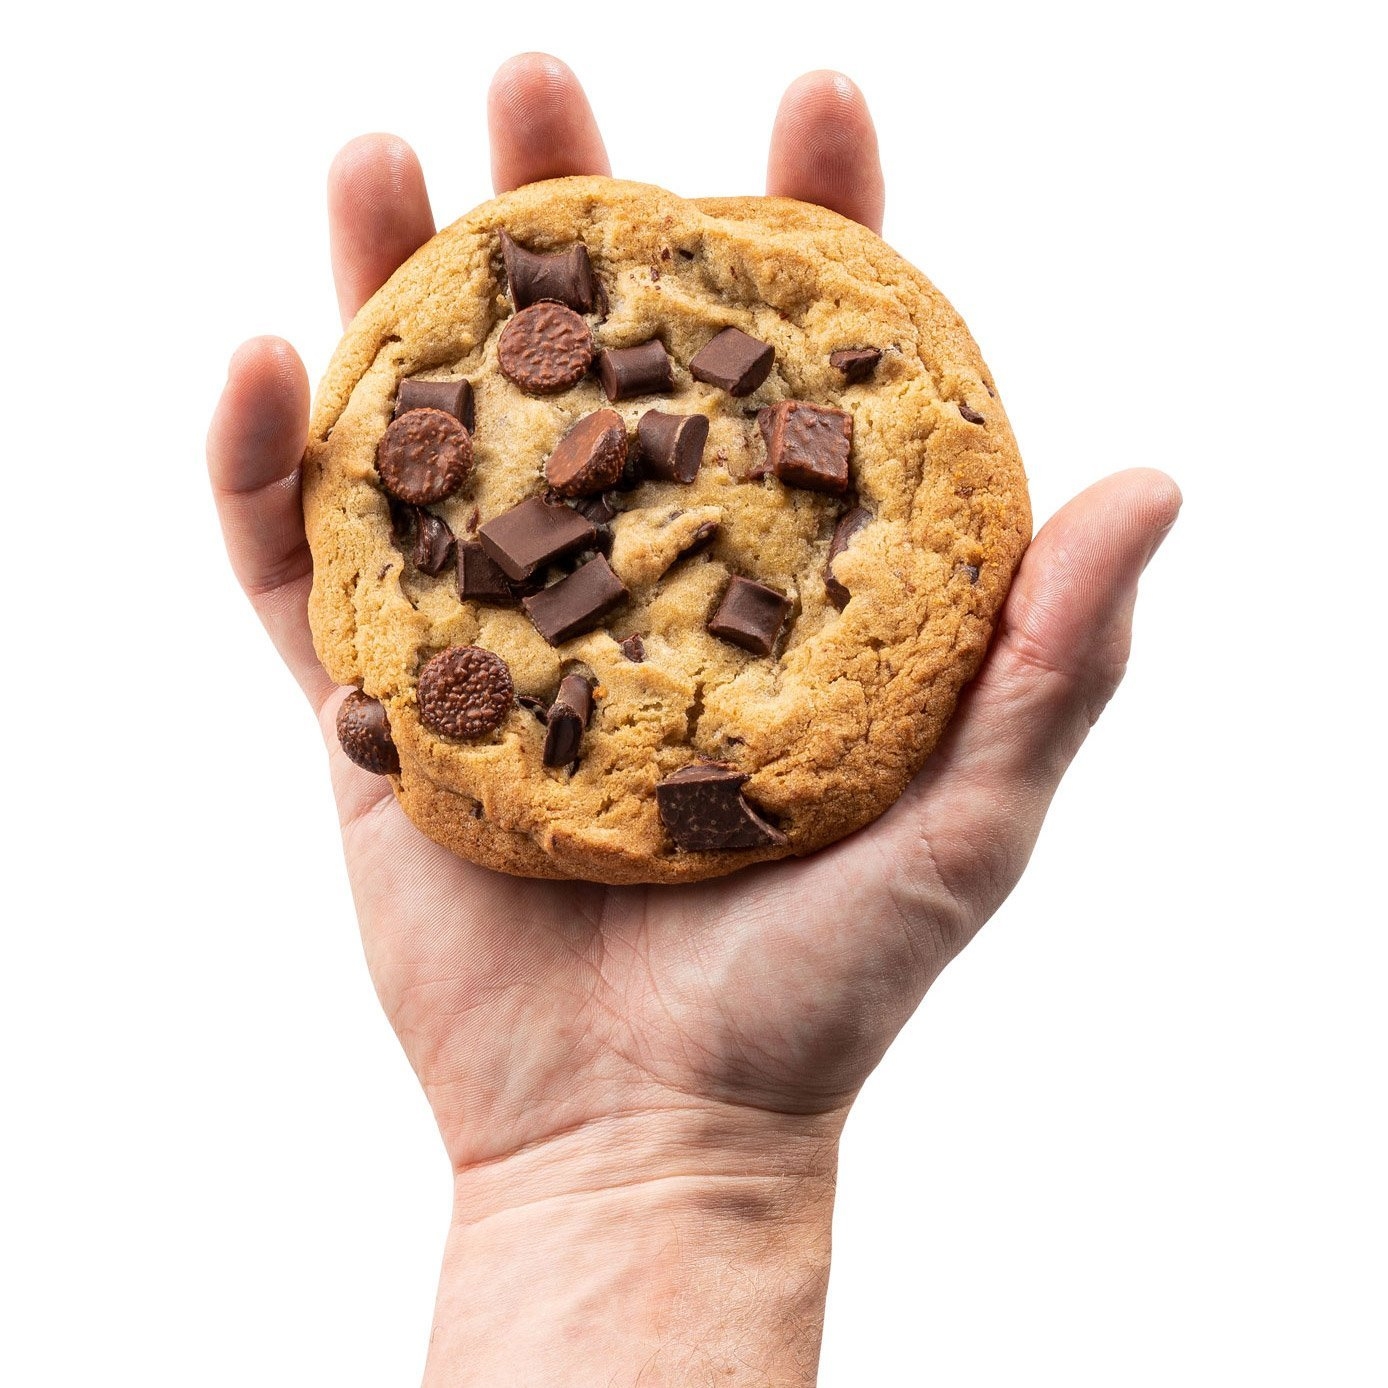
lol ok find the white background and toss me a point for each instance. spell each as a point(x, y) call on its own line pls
point(1134, 1136)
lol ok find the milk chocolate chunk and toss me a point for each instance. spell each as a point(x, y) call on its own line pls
point(568, 717)
point(424, 456)
point(856, 363)
point(577, 603)
point(733, 360)
point(626, 372)
point(808, 446)
point(750, 615)
point(565, 275)
point(971, 415)
point(452, 397)
point(590, 457)
point(533, 533)
point(479, 578)
point(465, 692)
point(545, 348)
point(634, 648)
point(364, 733)
point(704, 810)
point(672, 445)
point(433, 543)
point(850, 523)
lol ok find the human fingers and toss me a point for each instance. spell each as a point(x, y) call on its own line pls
point(824, 149)
point(541, 124)
point(967, 824)
point(254, 448)
point(378, 215)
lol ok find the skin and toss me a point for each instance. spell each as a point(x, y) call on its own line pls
point(609, 1064)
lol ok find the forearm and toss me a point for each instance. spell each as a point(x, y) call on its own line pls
point(653, 1256)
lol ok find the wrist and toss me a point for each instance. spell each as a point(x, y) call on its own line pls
point(676, 1246)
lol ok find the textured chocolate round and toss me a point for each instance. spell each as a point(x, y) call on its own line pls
point(363, 732)
point(545, 348)
point(465, 692)
point(424, 457)
point(827, 728)
point(590, 457)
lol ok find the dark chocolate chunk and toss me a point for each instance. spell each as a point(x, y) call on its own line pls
point(452, 397)
point(433, 542)
point(465, 692)
point(364, 732)
point(531, 534)
point(634, 648)
point(577, 603)
point(856, 363)
point(568, 717)
point(850, 523)
point(598, 509)
point(565, 275)
point(750, 615)
point(971, 415)
point(545, 348)
point(808, 445)
point(479, 578)
point(703, 808)
point(672, 445)
point(424, 456)
point(590, 457)
point(626, 372)
point(733, 360)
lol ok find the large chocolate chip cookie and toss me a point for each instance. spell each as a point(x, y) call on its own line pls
point(665, 533)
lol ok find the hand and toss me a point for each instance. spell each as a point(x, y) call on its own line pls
point(613, 1067)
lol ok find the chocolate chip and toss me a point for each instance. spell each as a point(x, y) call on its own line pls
point(700, 540)
point(626, 372)
point(688, 255)
point(452, 397)
point(568, 717)
point(424, 456)
point(672, 445)
point(479, 579)
point(598, 509)
point(364, 732)
point(536, 706)
point(565, 275)
point(590, 457)
point(808, 445)
point(703, 808)
point(634, 648)
point(856, 363)
point(971, 415)
point(970, 571)
point(850, 523)
point(750, 615)
point(545, 348)
point(433, 543)
point(733, 360)
point(531, 534)
point(465, 692)
point(577, 603)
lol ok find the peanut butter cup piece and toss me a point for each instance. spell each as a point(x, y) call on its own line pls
point(364, 734)
point(566, 275)
point(809, 445)
point(545, 348)
point(733, 360)
point(703, 808)
point(465, 693)
point(590, 457)
point(424, 456)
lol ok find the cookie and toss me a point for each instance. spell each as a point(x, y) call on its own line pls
point(658, 536)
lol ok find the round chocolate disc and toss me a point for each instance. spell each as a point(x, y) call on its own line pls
point(465, 692)
point(424, 457)
point(545, 348)
point(364, 732)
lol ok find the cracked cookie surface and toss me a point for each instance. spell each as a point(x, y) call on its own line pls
point(822, 733)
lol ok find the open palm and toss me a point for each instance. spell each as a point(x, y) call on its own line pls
point(535, 1010)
